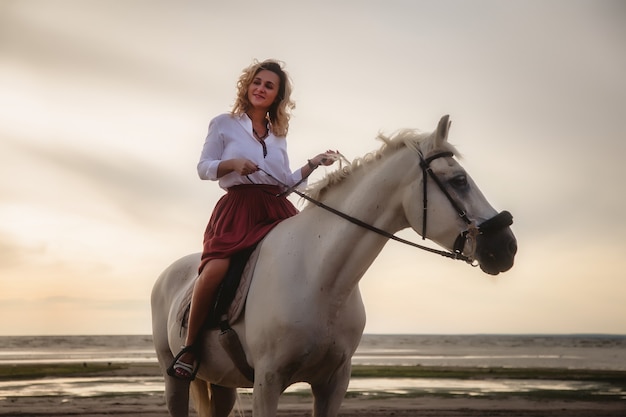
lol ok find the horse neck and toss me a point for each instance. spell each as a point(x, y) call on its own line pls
point(372, 194)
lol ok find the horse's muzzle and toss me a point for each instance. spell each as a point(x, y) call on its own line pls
point(495, 250)
point(494, 245)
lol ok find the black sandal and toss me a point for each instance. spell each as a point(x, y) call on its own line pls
point(188, 371)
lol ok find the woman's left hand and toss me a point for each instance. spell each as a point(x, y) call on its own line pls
point(327, 158)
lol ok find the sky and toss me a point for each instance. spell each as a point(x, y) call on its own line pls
point(105, 106)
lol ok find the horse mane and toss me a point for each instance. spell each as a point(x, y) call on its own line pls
point(409, 138)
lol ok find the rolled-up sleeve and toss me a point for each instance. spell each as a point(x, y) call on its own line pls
point(212, 151)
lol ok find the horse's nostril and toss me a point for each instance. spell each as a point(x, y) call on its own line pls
point(513, 247)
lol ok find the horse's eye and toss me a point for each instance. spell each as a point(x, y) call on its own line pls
point(460, 181)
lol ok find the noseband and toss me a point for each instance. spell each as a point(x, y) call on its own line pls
point(500, 221)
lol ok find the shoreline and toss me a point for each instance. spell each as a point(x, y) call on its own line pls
point(356, 404)
point(151, 369)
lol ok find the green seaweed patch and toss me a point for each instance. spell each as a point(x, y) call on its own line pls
point(560, 374)
point(32, 371)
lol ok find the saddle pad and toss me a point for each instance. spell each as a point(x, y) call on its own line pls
point(239, 301)
point(237, 306)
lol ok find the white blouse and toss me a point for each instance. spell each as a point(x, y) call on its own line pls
point(232, 137)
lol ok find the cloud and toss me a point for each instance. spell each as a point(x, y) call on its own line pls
point(63, 315)
point(13, 253)
point(126, 55)
point(144, 191)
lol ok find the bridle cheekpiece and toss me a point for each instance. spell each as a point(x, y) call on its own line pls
point(468, 237)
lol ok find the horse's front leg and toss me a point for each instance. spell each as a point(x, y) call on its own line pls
point(177, 396)
point(268, 386)
point(329, 394)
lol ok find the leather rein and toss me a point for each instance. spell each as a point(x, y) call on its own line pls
point(499, 221)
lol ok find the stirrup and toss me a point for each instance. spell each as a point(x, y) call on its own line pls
point(191, 370)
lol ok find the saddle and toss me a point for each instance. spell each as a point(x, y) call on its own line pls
point(228, 306)
point(231, 294)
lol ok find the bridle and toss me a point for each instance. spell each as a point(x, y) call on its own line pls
point(498, 222)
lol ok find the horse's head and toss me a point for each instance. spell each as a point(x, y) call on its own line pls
point(448, 208)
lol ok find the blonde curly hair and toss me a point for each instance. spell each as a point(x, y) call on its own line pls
point(279, 112)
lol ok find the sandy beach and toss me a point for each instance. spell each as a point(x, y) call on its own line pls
point(293, 406)
point(144, 404)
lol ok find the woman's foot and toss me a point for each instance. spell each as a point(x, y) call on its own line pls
point(184, 366)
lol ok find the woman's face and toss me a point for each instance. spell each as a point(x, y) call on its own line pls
point(263, 89)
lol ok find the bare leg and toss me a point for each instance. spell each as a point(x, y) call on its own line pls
point(203, 296)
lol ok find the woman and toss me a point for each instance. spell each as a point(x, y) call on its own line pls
point(246, 152)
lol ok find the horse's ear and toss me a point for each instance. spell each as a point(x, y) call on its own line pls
point(443, 128)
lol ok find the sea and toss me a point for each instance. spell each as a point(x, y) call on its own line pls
point(594, 352)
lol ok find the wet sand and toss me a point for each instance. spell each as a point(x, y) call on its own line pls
point(295, 406)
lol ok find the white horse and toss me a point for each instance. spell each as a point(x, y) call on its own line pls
point(304, 315)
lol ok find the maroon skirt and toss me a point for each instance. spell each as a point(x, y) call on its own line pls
point(241, 218)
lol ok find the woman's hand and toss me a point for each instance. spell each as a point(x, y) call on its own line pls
point(327, 158)
point(245, 166)
point(241, 166)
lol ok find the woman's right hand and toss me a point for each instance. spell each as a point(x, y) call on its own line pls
point(241, 166)
point(244, 166)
